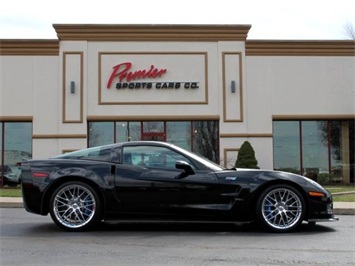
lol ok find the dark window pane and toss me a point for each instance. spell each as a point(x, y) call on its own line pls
point(1, 147)
point(128, 131)
point(122, 131)
point(17, 147)
point(179, 133)
point(101, 133)
point(95, 153)
point(341, 138)
point(315, 149)
point(153, 126)
point(152, 157)
point(206, 139)
point(287, 146)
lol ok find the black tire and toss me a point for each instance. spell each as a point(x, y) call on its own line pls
point(75, 206)
point(280, 208)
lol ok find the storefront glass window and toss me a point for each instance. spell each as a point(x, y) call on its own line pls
point(201, 137)
point(205, 139)
point(122, 131)
point(1, 152)
point(179, 133)
point(287, 146)
point(128, 131)
point(101, 133)
point(153, 126)
point(326, 149)
point(17, 147)
point(1, 145)
point(314, 149)
point(135, 131)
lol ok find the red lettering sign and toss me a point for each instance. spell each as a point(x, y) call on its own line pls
point(122, 72)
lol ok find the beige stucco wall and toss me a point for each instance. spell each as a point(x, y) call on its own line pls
point(287, 86)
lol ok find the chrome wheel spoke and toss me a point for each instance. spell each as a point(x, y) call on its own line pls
point(74, 206)
point(281, 208)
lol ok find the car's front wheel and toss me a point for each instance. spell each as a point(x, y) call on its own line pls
point(75, 206)
point(280, 208)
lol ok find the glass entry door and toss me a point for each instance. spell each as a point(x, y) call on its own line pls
point(153, 130)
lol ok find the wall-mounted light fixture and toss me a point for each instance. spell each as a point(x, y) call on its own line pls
point(233, 89)
point(72, 86)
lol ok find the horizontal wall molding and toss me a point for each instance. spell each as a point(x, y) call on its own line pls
point(153, 32)
point(153, 118)
point(314, 117)
point(247, 135)
point(300, 48)
point(59, 136)
point(16, 118)
point(29, 47)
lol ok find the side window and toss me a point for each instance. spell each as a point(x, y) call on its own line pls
point(96, 153)
point(152, 157)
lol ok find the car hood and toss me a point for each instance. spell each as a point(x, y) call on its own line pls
point(256, 177)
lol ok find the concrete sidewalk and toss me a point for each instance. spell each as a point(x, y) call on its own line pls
point(340, 208)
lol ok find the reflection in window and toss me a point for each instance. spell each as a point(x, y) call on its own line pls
point(314, 150)
point(128, 131)
point(201, 137)
point(152, 157)
point(16, 146)
point(1, 146)
point(95, 153)
point(287, 146)
point(179, 133)
point(18, 142)
point(101, 133)
point(326, 149)
point(122, 131)
point(153, 126)
point(205, 139)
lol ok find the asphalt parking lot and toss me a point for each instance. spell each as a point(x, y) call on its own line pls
point(28, 239)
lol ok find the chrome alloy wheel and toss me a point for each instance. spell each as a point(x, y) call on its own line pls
point(282, 208)
point(74, 206)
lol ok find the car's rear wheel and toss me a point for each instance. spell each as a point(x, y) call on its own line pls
point(75, 206)
point(280, 208)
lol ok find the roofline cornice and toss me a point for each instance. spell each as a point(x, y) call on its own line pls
point(154, 32)
point(300, 48)
point(29, 47)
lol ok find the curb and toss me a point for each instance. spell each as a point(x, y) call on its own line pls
point(344, 211)
point(11, 205)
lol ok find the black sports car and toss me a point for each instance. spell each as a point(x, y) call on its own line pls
point(150, 180)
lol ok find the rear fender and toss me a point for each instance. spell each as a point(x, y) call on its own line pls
point(54, 185)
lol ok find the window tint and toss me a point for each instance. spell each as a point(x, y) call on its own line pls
point(97, 153)
point(100, 133)
point(321, 150)
point(152, 157)
point(15, 147)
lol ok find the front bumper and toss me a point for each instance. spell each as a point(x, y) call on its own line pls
point(334, 219)
point(321, 209)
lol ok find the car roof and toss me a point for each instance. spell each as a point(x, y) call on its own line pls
point(144, 142)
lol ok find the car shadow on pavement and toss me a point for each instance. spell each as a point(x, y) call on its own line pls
point(119, 228)
point(192, 227)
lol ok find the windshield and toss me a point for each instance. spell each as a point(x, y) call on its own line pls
point(201, 159)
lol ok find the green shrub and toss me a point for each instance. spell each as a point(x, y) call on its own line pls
point(289, 170)
point(246, 157)
point(324, 179)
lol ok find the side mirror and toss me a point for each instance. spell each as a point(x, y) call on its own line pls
point(186, 167)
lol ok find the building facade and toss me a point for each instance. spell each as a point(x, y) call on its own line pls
point(206, 88)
